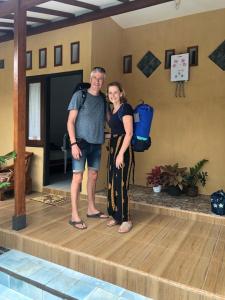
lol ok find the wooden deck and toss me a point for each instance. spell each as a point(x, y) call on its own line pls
point(165, 257)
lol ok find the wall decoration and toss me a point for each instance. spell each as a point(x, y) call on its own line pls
point(75, 52)
point(58, 55)
point(28, 60)
point(193, 55)
point(180, 67)
point(168, 54)
point(127, 64)
point(180, 72)
point(148, 64)
point(218, 56)
point(2, 63)
point(43, 58)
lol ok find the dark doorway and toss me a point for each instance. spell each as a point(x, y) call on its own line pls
point(60, 88)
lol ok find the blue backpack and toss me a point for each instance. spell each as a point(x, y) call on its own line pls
point(143, 114)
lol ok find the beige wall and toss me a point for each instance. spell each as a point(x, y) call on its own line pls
point(189, 129)
point(184, 130)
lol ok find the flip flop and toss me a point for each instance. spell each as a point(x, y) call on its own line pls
point(99, 215)
point(125, 227)
point(75, 223)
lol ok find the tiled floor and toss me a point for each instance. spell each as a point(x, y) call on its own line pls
point(44, 275)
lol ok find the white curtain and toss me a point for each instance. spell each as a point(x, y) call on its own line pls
point(34, 132)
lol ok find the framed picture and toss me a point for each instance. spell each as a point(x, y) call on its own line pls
point(75, 52)
point(193, 55)
point(127, 64)
point(28, 60)
point(42, 58)
point(180, 67)
point(168, 54)
point(2, 64)
point(58, 55)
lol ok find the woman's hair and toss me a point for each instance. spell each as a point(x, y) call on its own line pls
point(119, 86)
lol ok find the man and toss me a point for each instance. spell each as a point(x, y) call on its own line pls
point(85, 126)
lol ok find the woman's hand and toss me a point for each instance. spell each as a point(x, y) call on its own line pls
point(76, 152)
point(119, 161)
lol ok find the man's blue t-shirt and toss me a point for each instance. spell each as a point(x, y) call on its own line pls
point(90, 120)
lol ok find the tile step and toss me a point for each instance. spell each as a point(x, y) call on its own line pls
point(9, 294)
point(42, 280)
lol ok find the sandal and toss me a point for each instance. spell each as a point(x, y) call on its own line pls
point(75, 223)
point(125, 227)
point(98, 215)
point(112, 223)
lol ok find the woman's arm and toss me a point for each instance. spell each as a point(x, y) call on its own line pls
point(128, 126)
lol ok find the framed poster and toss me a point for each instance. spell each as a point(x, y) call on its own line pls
point(168, 54)
point(28, 60)
point(193, 55)
point(180, 67)
point(43, 58)
point(58, 55)
point(127, 64)
point(75, 52)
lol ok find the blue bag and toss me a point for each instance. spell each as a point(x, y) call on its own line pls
point(143, 115)
point(218, 202)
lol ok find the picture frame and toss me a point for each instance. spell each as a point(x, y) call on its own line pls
point(75, 52)
point(168, 54)
point(2, 63)
point(58, 55)
point(127, 64)
point(28, 60)
point(193, 55)
point(42, 58)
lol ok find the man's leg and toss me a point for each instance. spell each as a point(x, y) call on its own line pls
point(91, 188)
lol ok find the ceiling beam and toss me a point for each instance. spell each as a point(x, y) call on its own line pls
point(51, 12)
point(92, 16)
point(79, 4)
point(7, 7)
point(6, 25)
point(30, 19)
point(26, 4)
point(95, 15)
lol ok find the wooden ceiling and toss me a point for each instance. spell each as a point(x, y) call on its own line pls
point(46, 15)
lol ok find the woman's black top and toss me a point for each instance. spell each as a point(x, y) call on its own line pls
point(116, 123)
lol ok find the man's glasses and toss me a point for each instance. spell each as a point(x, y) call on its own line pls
point(99, 69)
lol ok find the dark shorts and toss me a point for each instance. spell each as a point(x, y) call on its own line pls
point(92, 155)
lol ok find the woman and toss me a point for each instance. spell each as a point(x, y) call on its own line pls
point(121, 158)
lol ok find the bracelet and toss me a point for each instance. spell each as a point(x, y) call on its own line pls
point(75, 143)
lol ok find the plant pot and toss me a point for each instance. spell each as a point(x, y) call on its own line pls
point(192, 191)
point(173, 190)
point(157, 189)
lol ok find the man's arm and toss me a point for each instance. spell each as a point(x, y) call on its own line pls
point(71, 131)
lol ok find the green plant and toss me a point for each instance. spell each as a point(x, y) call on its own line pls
point(172, 175)
point(3, 160)
point(154, 177)
point(195, 175)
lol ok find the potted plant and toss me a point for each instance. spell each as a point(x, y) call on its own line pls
point(172, 179)
point(154, 179)
point(195, 176)
point(4, 176)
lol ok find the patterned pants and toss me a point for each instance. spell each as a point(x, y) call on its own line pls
point(118, 181)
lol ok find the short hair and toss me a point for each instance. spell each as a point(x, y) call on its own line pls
point(99, 70)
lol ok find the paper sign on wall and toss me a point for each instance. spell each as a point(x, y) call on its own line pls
point(180, 67)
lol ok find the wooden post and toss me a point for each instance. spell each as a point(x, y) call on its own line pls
point(19, 219)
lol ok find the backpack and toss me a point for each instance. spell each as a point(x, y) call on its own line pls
point(84, 86)
point(218, 202)
point(143, 114)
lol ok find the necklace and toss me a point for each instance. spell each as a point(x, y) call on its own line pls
point(116, 108)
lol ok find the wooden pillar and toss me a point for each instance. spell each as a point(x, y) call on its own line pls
point(19, 98)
